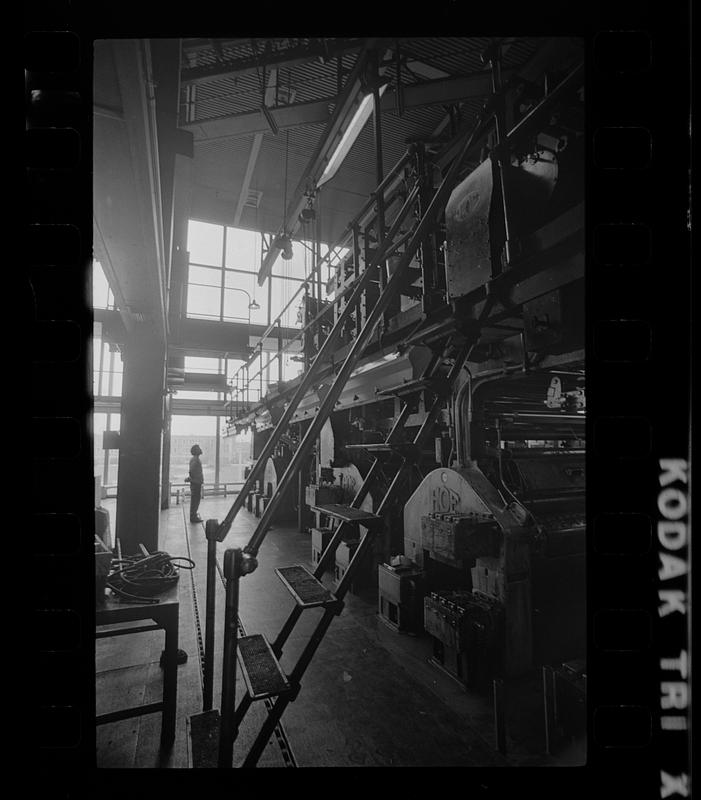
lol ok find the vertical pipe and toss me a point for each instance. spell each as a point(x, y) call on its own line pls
point(279, 353)
point(305, 317)
point(364, 308)
point(223, 275)
point(503, 161)
point(398, 80)
point(165, 457)
point(428, 246)
point(208, 669)
point(300, 501)
point(379, 170)
point(217, 451)
point(270, 299)
point(317, 250)
point(106, 456)
point(356, 273)
point(227, 735)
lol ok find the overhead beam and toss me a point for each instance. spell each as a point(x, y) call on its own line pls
point(208, 338)
point(199, 408)
point(253, 122)
point(255, 150)
point(287, 57)
point(435, 92)
point(443, 91)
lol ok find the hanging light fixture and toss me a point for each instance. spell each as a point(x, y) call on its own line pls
point(308, 214)
point(252, 305)
point(361, 116)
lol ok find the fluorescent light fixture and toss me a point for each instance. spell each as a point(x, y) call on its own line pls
point(348, 139)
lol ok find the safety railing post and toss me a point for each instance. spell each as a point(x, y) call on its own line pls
point(279, 354)
point(227, 732)
point(236, 565)
point(211, 527)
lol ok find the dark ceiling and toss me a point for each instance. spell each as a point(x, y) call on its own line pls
point(233, 163)
point(243, 172)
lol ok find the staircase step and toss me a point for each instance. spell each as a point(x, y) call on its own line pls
point(348, 514)
point(261, 671)
point(203, 740)
point(304, 587)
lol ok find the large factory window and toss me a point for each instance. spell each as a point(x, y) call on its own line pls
point(204, 243)
point(235, 455)
point(185, 431)
point(102, 296)
point(223, 271)
point(222, 462)
point(107, 368)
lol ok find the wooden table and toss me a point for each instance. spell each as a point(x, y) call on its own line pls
point(164, 616)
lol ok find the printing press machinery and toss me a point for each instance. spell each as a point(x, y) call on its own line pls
point(492, 519)
point(501, 542)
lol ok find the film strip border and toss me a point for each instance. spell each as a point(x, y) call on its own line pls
point(638, 281)
point(638, 308)
point(57, 253)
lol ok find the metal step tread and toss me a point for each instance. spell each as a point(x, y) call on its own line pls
point(348, 514)
point(304, 587)
point(203, 739)
point(261, 671)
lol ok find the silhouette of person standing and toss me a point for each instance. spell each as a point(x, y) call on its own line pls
point(195, 479)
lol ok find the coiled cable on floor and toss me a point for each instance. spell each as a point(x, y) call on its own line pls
point(138, 578)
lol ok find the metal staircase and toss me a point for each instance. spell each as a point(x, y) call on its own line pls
point(259, 659)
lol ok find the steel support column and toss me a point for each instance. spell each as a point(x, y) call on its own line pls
point(379, 173)
point(139, 483)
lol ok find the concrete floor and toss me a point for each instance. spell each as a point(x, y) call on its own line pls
point(369, 698)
